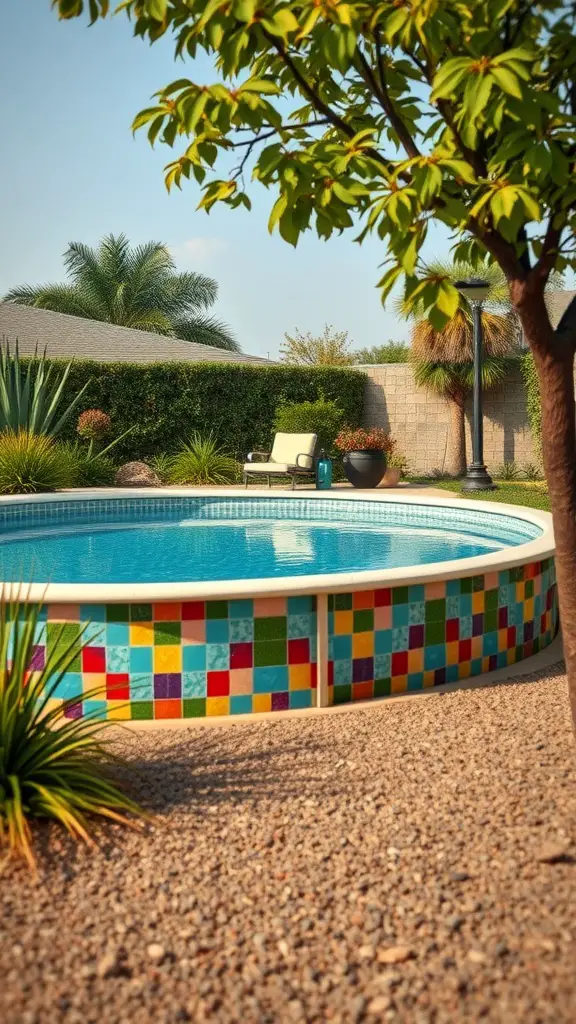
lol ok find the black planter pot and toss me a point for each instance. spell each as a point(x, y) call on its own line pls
point(364, 468)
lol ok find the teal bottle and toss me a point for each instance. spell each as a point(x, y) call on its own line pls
point(323, 472)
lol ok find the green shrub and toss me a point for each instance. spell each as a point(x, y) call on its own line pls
point(322, 417)
point(391, 352)
point(89, 469)
point(201, 461)
point(508, 471)
point(532, 472)
point(236, 402)
point(32, 463)
point(533, 403)
point(161, 464)
point(46, 772)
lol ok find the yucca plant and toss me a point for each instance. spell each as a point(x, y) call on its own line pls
point(201, 461)
point(51, 766)
point(162, 466)
point(33, 463)
point(30, 398)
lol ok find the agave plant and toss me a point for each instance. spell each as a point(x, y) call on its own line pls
point(30, 400)
point(51, 766)
point(201, 461)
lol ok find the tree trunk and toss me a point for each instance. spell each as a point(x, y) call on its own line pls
point(554, 358)
point(456, 447)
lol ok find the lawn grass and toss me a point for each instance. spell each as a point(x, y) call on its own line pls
point(513, 492)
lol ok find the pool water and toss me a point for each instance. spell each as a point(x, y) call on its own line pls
point(202, 539)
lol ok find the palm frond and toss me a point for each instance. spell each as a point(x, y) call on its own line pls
point(455, 343)
point(205, 330)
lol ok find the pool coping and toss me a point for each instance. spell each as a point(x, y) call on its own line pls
point(57, 593)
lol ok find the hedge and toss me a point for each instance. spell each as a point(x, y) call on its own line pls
point(165, 402)
point(533, 403)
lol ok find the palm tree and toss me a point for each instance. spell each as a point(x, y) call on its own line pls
point(134, 287)
point(443, 361)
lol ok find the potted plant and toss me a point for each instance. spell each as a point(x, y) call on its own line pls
point(365, 452)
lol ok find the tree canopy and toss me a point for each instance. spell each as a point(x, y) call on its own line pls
point(132, 286)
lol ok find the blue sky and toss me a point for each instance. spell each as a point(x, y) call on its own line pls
point(71, 170)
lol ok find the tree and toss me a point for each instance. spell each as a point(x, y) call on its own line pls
point(390, 352)
point(331, 348)
point(443, 360)
point(405, 111)
point(134, 287)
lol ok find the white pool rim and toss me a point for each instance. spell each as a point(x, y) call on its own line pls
point(75, 593)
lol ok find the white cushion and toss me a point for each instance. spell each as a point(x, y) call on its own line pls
point(287, 448)
point(271, 467)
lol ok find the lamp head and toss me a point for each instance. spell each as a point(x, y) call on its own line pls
point(473, 288)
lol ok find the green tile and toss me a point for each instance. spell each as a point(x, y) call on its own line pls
point(529, 588)
point(517, 574)
point(400, 595)
point(491, 620)
point(330, 602)
point(436, 610)
point(477, 584)
point(343, 602)
point(435, 633)
point(60, 634)
point(141, 710)
point(195, 707)
point(270, 652)
point(342, 694)
point(491, 600)
point(382, 687)
point(141, 613)
point(167, 632)
point(216, 609)
point(519, 650)
point(71, 666)
point(364, 620)
point(274, 627)
point(117, 613)
point(466, 585)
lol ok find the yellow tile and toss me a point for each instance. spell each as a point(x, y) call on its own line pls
point(452, 653)
point(217, 706)
point(93, 685)
point(429, 678)
point(464, 670)
point(343, 623)
point(262, 702)
point(528, 609)
point(478, 602)
point(363, 645)
point(502, 639)
point(399, 684)
point(477, 645)
point(486, 664)
point(511, 656)
point(141, 634)
point(299, 677)
point(118, 710)
point(520, 591)
point(168, 658)
point(416, 660)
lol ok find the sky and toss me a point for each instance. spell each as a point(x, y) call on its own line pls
point(70, 170)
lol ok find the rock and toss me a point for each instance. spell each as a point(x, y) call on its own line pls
point(136, 474)
point(108, 966)
point(552, 852)
point(459, 876)
point(379, 1004)
point(475, 956)
point(395, 955)
point(366, 952)
point(156, 952)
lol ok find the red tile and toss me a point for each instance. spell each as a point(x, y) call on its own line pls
point(94, 659)
point(511, 636)
point(400, 663)
point(218, 684)
point(382, 598)
point(299, 651)
point(117, 686)
point(465, 650)
point(241, 655)
point(452, 630)
point(330, 674)
point(193, 610)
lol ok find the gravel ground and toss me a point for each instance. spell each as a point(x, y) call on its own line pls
point(411, 862)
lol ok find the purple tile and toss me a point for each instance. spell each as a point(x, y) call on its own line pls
point(362, 670)
point(38, 659)
point(492, 662)
point(549, 599)
point(416, 637)
point(528, 631)
point(439, 676)
point(167, 685)
point(478, 624)
point(280, 701)
point(73, 711)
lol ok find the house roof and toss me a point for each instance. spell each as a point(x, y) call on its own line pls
point(67, 337)
point(558, 303)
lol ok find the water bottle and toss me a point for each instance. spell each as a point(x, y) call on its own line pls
point(323, 472)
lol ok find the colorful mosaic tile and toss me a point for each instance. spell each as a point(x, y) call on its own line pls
point(401, 639)
point(184, 660)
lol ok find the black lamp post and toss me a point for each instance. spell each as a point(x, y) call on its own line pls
point(477, 477)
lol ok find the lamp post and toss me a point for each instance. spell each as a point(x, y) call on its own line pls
point(477, 477)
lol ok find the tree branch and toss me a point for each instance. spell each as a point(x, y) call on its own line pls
point(383, 96)
point(547, 259)
point(274, 131)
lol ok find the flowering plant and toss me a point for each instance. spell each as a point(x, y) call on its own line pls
point(357, 439)
point(93, 424)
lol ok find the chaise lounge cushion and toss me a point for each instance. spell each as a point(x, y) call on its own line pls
point(273, 467)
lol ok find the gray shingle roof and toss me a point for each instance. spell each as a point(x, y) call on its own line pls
point(557, 303)
point(66, 337)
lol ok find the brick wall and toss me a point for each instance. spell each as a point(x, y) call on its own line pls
point(419, 419)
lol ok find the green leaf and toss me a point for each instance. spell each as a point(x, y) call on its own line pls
point(343, 194)
point(156, 9)
point(244, 10)
point(277, 211)
point(387, 282)
point(262, 86)
point(507, 81)
point(477, 94)
point(448, 299)
point(519, 53)
point(396, 22)
point(281, 23)
point(460, 169)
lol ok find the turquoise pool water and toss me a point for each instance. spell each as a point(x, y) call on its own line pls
point(147, 540)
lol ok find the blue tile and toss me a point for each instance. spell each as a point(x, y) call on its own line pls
point(342, 672)
point(416, 681)
point(490, 644)
point(94, 633)
point(382, 666)
point(416, 593)
point(142, 686)
point(476, 666)
point(400, 639)
point(452, 607)
point(383, 641)
point(240, 609)
point(271, 679)
point(417, 613)
point(93, 613)
point(434, 656)
point(68, 687)
point(241, 631)
point(465, 605)
point(301, 698)
point(117, 634)
point(217, 631)
point(141, 659)
point(299, 605)
point(194, 657)
point(330, 622)
point(217, 657)
point(453, 588)
point(241, 705)
point(452, 673)
point(117, 660)
point(94, 708)
point(400, 615)
point(342, 647)
point(299, 625)
point(193, 684)
point(466, 627)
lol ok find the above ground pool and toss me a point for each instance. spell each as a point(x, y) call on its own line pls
point(186, 604)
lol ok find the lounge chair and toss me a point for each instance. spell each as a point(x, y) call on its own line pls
point(292, 456)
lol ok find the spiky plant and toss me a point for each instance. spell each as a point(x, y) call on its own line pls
point(51, 766)
point(31, 395)
point(201, 461)
point(134, 287)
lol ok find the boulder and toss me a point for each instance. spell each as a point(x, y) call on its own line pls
point(136, 474)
